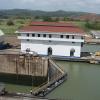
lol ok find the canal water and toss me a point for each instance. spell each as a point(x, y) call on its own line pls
point(83, 82)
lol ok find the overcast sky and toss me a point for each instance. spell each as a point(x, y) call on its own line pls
point(51, 5)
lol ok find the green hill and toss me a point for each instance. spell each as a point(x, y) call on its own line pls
point(31, 13)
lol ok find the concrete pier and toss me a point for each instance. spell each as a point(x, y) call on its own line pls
point(23, 64)
point(58, 77)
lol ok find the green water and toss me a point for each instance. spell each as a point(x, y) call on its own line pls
point(12, 84)
point(18, 88)
point(83, 82)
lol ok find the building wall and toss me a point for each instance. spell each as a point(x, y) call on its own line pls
point(58, 48)
point(61, 46)
point(23, 65)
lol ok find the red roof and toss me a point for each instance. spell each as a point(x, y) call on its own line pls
point(52, 27)
point(51, 24)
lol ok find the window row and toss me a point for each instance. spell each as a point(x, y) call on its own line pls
point(38, 35)
point(50, 36)
point(49, 41)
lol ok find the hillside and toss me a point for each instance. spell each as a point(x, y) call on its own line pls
point(31, 13)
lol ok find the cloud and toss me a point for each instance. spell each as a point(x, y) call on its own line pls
point(50, 5)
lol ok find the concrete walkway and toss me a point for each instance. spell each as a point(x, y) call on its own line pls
point(19, 98)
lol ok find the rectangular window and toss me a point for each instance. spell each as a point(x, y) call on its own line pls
point(82, 37)
point(81, 44)
point(27, 34)
point(44, 35)
point(28, 40)
point(61, 36)
point(72, 37)
point(50, 36)
point(38, 35)
point(67, 36)
point(33, 35)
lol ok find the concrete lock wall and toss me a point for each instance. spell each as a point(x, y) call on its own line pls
point(22, 65)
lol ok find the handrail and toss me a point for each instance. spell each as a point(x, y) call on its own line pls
point(59, 68)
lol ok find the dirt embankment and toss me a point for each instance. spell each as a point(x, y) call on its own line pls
point(12, 40)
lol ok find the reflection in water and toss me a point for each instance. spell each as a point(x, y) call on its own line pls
point(76, 71)
point(83, 82)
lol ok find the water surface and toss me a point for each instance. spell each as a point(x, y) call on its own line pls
point(83, 82)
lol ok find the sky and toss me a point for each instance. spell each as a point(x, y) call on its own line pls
point(53, 5)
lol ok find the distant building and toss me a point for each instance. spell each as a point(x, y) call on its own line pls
point(1, 36)
point(52, 38)
point(87, 17)
point(96, 34)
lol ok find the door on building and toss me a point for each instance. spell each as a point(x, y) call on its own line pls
point(49, 51)
point(72, 51)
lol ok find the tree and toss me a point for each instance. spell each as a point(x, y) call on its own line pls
point(48, 19)
point(37, 17)
point(57, 19)
point(65, 19)
point(87, 24)
point(10, 23)
point(93, 25)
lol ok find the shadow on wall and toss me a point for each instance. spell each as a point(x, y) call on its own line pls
point(22, 80)
point(85, 54)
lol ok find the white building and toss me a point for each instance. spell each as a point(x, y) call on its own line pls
point(96, 34)
point(50, 38)
point(1, 36)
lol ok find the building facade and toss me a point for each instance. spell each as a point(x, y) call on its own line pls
point(49, 38)
point(1, 36)
point(95, 34)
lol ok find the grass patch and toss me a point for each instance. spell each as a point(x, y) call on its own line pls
point(81, 24)
point(10, 29)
